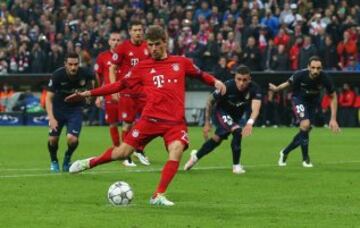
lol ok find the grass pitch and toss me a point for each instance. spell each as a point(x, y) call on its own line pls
point(327, 195)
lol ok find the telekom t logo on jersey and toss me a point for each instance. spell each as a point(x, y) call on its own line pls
point(158, 80)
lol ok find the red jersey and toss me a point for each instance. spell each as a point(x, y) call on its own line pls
point(103, 62)
point(126, 56)
point(163, 82)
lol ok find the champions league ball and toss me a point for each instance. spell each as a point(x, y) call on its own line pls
point(120, 193)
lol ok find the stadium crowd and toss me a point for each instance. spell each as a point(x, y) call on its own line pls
point(219, 35)
point(263, 34)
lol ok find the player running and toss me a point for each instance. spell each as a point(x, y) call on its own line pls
point(229, 108)
point(65, 81)
point(163, 80)
point(126, 56)
point(103, 63)
point(306, 85)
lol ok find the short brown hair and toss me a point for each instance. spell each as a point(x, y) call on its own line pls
point(243, 70)
point(155, 32)
point(134, 23)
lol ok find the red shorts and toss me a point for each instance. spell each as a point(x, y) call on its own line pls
point(112, 112)
point(130, 107)
point(147, 129)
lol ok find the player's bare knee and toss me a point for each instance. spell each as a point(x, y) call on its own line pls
point(72, 139)
point(305, 125)
point(53, 140)
point(123, 151)
point(216, 138)
point(176, 150)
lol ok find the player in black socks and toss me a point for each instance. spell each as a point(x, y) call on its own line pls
point(228, 109)
point(306, 85)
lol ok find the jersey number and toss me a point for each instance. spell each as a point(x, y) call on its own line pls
point(227, 119)
point(300, 108)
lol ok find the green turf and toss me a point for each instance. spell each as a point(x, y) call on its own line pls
point(327, 195)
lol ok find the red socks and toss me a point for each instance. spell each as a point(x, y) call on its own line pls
point(167, 174)
point(103, 158)
point(115, 136)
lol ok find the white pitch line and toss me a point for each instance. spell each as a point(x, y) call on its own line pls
point(148, 170)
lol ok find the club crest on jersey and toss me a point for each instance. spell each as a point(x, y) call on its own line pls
point(152, 71)
point(96, 66)
point(146, 52)
point(115, 56)
point(50, 83)
point(124, 115)
point(82, 82)
point(175, 67)
point(135, 133)
point(247, 96)
point(131, 54)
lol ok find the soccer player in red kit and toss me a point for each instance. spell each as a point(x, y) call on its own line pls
point(163, 80)
point(103, 63)
point(126, 56)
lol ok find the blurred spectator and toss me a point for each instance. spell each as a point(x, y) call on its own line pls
point(353, 65)
point(268, 53)
point(211, 53)
point(6, 94)
point(346, 48)
point(38, 58)
point(295, 52)
point(251, 56)
point(3, 63)
point(280, 60)
point(329, 55)
point(203, 11)
point(325, 108)
point(307, 50)
point(286, 16)
point(346, 107)
point(282, 38)
point(196, 52)
point(271, 22)
point(221, 71)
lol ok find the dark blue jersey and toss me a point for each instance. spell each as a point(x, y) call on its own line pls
point(62, 85)
point(234, 102)
point(307, 88)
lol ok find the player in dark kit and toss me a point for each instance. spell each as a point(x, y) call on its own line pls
point(306, 85)
point(163, 80)
point(228, 109)
point(65, 81)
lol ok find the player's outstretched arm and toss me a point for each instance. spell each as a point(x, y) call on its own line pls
point(333, 124)
point(280, 87)
point(255, 110)
point(77, 97)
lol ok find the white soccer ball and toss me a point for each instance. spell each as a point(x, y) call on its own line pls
point(120, 193)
